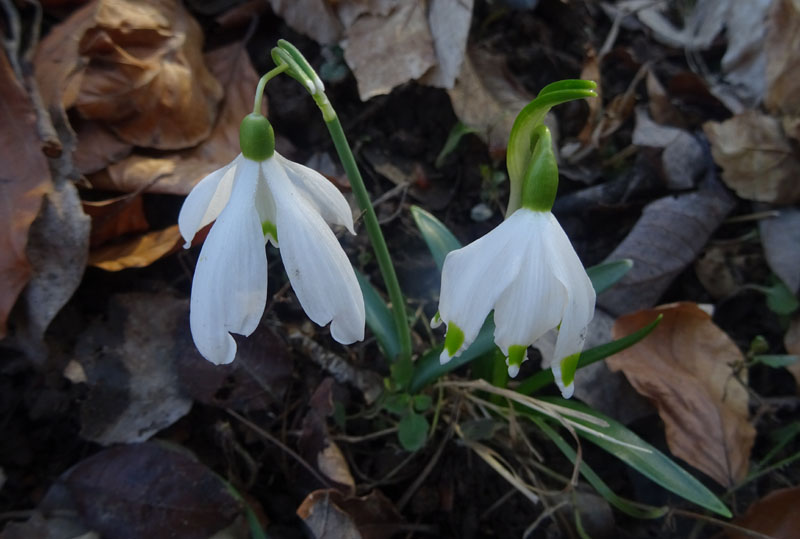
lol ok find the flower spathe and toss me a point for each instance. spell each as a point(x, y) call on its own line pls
point(527, 271)
point(292, 206)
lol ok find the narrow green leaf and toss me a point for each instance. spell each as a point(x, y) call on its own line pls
point(607, 274)
point(776, 361)
point(422, 403)
point(458, 131)
point(412, 431)
point(379, 319)
point(641, 456)
point(592, 355)
point(438, 237)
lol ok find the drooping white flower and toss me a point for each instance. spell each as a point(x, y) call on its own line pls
point(254, 201)
point(527, 271)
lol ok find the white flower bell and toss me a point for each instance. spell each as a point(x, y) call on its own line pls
point(527, 271)
point(262, 196)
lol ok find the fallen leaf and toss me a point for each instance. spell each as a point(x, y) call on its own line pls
point(780, 237)
point(686, 367)
point(744, 62)
point(724, 268)
point(449, 22)
point(177, 172)
point(97, 148)
point(330, 515)
point(129, 362)
point(487, 99)
point(660, 105)
point(700, 27)
point(136, 67)
point(150, 490)
point(24, 181)
point(667, 238)
point(388, 45)
point(775, 515)
point(115, 217)
point(792, 343)
point(782, 46)
point(137, 252)
point(313, 18)
point(757, 160)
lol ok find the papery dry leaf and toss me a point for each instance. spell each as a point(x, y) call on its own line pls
point(744, 62)
point(97, 148)
point(137, 67)
point(775, 515)
point(137, 252)
point(389, 45)
point(780, 237)
point(756, 158)
point(313, 18)
point(686, 367)
point(791, 341)
point(115, 217)
point(782, 47)
point(449, 22)
point(177, 172)
point(486, 98)
point(24, 181)
point(659, 104)
point(331, 515)
point(665, 240)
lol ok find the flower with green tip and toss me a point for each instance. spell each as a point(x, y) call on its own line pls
point(262, 196)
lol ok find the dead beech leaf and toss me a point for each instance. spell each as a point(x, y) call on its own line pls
point(137, 67)
point(128, 361)
point(150, 490)
point(328, 514)
point(774, 515)
point(488, 99)
point(115, 217)
point(756, 158)
point(780, 237)
point(314, 18)
point(137, 252)
point(782, 47)
point(177, 172)
point(449, 22)
point(667, 237)
point(24, 180)
point(97, 148)
point(388, 45)
point(685, 367)
point(791, 341)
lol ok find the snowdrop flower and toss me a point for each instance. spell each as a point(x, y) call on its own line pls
point(525, 270)
point(261, 196)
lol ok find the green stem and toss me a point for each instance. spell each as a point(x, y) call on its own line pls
point(374, 233)
point(262, 82)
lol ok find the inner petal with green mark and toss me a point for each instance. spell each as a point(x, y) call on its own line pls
point(517, 353)
point(568, 367)
point(269, 229)
point(454, 339)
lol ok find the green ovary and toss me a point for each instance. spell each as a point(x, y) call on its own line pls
point(454, 339)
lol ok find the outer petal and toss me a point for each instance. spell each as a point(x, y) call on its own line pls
point(320, 273)
point(229, 290)
point(534, 302)
point(475, 276)
point(328, 200)
point(206, 200)
point(580, 302)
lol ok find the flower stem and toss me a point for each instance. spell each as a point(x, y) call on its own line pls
point(262, 82)
point(375, 235)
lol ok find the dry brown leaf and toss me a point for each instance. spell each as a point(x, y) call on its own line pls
point(780, 237)
point(177, 172)
point(115, 217)
point(792, 343)
point(137, 252)
point(756, 158)
point(782, 47)
point(388, 45)
point(685, 366)
point(774, 515)
point(449, 22)
point(97, 148)
point(486, 98)
point(24, 180)
point(136, 67)
point(314, 18)
point(331, 515)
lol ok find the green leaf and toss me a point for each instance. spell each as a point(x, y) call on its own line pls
point(634, 509)
point(776, 361)
point(607, 274)
point(780, 299)
point(428, 368)
point(379, 319)
point(422, 402)
point(397, 403)
point(438, 237)
point(545, 377)
point(641, 456)
point(458, 131)
point(401, 372)
point(412, 431)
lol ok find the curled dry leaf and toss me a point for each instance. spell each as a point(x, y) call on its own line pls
point(137, 252)
point(686, 366)
point(24, 180)
point(329, 514)
point(782, 47)
point(177, 172)
point(314, 18)
point(449, 22)
point(115, 217)
point(775, 515)
point(666, 239)
point(136, 67)
point(757, 160)
point(780, 237)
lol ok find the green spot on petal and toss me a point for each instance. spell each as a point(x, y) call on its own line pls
point(516, 354)
point(269, 229)
point(568, 367)
point(454, 339)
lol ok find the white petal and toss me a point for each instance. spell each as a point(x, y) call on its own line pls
point(580, 302)
point(475, 276)
point(328, 200)
point(229, 290)
point(206, 200)
point(320, 273)
point(534, 302)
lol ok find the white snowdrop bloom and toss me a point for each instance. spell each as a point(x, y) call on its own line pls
point(261, 196)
